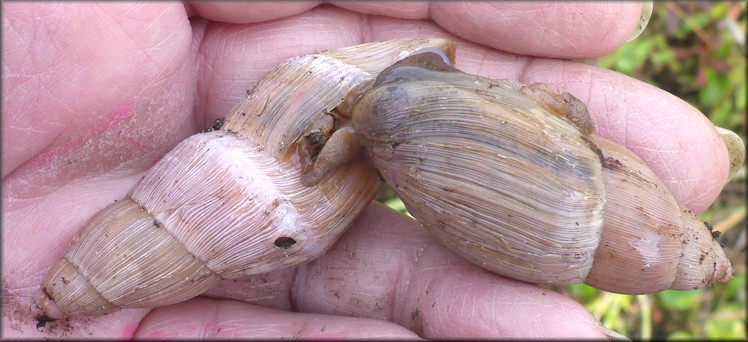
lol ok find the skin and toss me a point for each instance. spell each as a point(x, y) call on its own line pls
point(94, 94)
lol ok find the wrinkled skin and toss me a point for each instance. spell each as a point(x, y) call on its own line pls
point(94, 94)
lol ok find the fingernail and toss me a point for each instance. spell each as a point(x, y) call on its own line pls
point(614, 335)
point(735, 149)
point(647, 7)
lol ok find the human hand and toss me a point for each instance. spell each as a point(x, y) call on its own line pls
point(95, 94)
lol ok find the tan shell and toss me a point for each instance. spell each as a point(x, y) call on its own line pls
point(227, 203)
point(509, 177)
point(649, 242)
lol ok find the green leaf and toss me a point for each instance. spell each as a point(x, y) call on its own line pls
point(701, 19)
point(712, 92)
point(583, 292)
point(740, 95)
point(681, 335)
point(661, 55)
point(397, 204)
point(679, 300)
point(719, 10)
point(632, 56)
point(725, 329)
point(736, 283)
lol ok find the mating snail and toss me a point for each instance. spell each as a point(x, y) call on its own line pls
point(508, 176)
point(512, 178)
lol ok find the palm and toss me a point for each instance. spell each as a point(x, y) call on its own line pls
point(93, 98)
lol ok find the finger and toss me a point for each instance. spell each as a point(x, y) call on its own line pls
point(387, 267)
point(560, 30)
point(548, 29)
point(250, 12)
point(394, 9)
point(19, 323)
point(74, 113)
point(99, 85)
point(207, 318)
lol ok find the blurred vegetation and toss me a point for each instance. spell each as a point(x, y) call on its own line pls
point(696, 51)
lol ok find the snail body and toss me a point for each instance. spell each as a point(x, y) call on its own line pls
point(228, 203)
point(510, 177)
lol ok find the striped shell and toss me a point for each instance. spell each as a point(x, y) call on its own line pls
point(228, 203)
point(510, 177)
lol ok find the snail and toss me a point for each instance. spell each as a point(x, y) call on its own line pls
point(228, 202)
point(507, 175)
point(512, 178)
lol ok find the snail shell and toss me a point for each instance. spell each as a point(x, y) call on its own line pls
point(510, 177)
point(228, 203)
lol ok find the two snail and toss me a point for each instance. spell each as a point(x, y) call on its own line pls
point(509, 176)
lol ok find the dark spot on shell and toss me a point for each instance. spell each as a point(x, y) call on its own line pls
point(314, 143)
point(715, 234)
point(42, 320)
point(317, 138)
point(215, 126)
point(708, 226)
point(611, 163)
point(597, 150)
point(379, 174)
point(284, 242)
point(276, 202)
point(46, 293)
